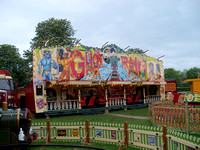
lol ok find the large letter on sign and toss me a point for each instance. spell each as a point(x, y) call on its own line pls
point(81, 65)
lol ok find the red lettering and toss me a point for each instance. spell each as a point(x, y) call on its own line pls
point(80, 65)
point(135, 65)
point(139, 67)
point(124, 61)
point(86, 62)
point(100, 62)
point(95, 60)
point(131, 63)
point(91, 59)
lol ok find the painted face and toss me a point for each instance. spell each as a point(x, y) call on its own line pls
point(190, 97)
point(181, 98)
point(47, 55)
point(65, 56)
point(40, 103)
point(170, 96)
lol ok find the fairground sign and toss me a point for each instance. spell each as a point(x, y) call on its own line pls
point(110, 63)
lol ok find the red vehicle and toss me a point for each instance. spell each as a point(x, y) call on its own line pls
point(6, 84)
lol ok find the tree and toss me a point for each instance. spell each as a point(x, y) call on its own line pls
point(28, 58)
point(192, 73)
point(135, 50)
point(11, 61)
point(55, 31)
point(171, 73)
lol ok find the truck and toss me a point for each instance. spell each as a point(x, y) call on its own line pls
point(6, 84)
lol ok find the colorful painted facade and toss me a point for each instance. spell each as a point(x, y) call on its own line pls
point(84, 64)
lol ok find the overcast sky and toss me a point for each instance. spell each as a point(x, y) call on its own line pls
point(164, 27)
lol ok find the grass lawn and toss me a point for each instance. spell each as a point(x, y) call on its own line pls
point(92, 144)
point(102, 118)
point(134, 112)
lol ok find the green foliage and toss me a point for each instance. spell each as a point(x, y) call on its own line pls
point(11, 61)
point(171, 73)
point(175, 74)
point(183, 89)
point(28, 58)
point(57, 31)
point(135, 50)
point(192, 73)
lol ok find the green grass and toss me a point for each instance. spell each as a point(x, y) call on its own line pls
point(134, 112)
point(102, 118)
point(92, 144)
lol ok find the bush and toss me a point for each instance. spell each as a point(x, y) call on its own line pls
point(183, 89)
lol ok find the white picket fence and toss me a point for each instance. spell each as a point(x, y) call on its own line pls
point(116, 101)
point(152, 98)
point(63, 104)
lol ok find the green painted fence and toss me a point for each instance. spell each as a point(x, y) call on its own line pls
point(141, 137)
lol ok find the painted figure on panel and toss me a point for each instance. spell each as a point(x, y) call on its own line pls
point(158, 72)
point(151, 71)
point(143, 69)
point(131, 73)
point(94, 71)
point(65, 62)
point(46, 62)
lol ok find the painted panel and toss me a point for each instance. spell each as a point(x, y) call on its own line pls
point(192, 97)
point(110, 63)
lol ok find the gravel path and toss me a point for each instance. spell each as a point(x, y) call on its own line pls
point(127, 116)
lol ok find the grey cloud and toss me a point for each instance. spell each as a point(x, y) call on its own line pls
point(170, 28)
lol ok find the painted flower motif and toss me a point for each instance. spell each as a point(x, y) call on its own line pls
point(40, 103)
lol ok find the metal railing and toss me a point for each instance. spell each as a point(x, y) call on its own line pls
point(63, 104)
point(152, 98)
point(115, 101)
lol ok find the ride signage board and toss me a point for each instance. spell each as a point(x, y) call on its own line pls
point(171, 86)
point(109, 63)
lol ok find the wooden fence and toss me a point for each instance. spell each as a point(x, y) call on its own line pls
point(145, 137)
point(182, 116)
